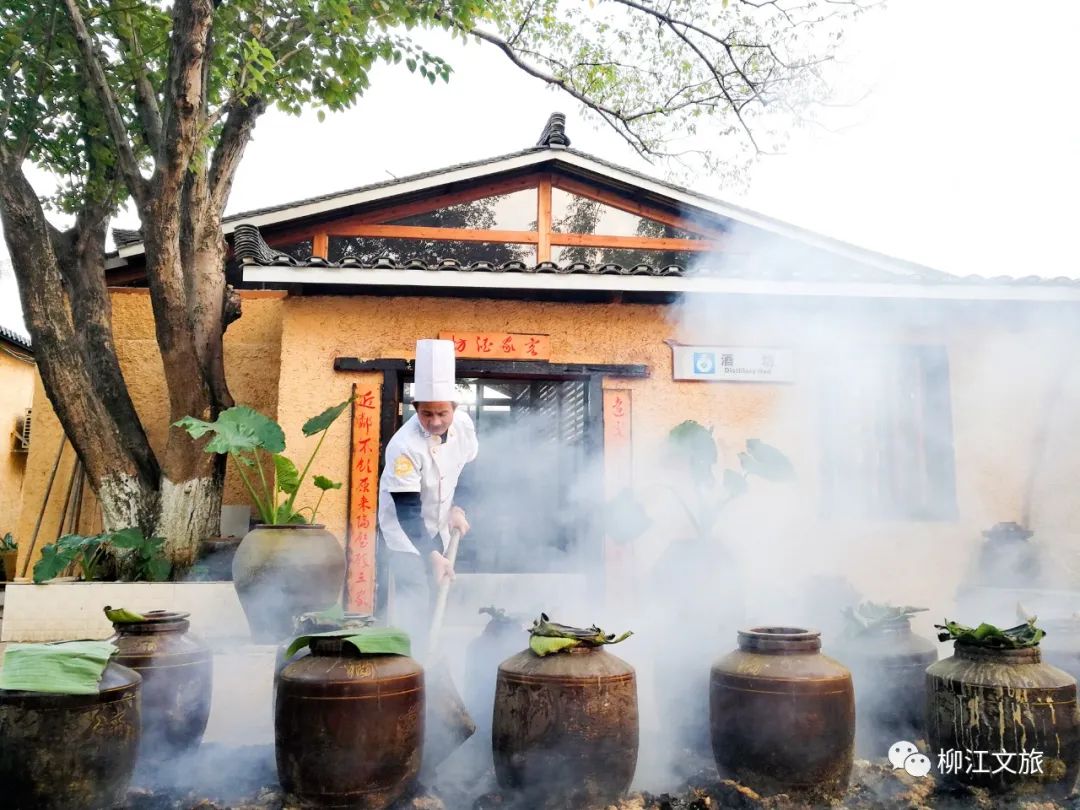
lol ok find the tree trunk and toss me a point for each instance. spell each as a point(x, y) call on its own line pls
point(73, 348)
point(189, 476)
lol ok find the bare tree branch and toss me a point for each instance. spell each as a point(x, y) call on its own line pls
point(612, 117)
point(234, 138)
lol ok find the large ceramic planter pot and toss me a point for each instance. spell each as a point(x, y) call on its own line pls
point(10, 560)
point(59, 751)
point(280, 572)
point(216, 557)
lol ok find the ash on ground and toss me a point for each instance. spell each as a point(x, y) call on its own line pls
point(219, 778)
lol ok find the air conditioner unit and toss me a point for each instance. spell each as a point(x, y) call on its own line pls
point(22, 433)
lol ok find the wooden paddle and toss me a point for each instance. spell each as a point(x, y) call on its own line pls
point(448, 722)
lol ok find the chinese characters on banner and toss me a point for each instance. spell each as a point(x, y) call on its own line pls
point(363, 493)
point(499, 345)
point(618, 478)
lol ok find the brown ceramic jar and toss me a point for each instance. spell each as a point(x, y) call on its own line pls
point(567, 724)
point(177, 672)
point(783, 714)
point(59, 752)
point(1007, 701)
point(348, 727)
point(888, 668)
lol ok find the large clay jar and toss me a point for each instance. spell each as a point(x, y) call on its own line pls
point(280, 572)
point(1061, 644)
point(348, 727)
point(783, 715)
point(501, 638)
point(1008, 702)
point(565, 726)
point(177, 673)
point(67, 751)
point(888, 668)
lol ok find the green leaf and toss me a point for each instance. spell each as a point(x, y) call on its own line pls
point(52, 563)
point(324, 483)
point(122, 615)
point(734, 483)
point(236, 430)
point(286, 475)
point(158, 569)
point(987, 635)
point(546, 645)
point(768, 462)
point(285, 516)
point(127, 538)
point(317, 424)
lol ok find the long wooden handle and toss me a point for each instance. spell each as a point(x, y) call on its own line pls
point(440, 598)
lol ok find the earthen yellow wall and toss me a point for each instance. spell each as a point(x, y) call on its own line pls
point(16, 393)
point(252, 357)
point(1012, 376)
point(1002, 380)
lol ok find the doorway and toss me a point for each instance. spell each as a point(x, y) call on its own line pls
point(530, 493)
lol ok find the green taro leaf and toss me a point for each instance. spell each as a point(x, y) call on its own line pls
point(158, 569)
point(317, 424)
point(51, 564)
point(324, 483)
point(768, 462)
point(286, 516)
point(286, 474)
point(734, 483)
point(127, 538)
point(237, 429)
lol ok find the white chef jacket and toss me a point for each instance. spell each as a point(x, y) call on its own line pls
point(417, 461)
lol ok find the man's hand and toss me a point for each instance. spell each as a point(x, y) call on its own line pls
point(458, 521)
point(441, 569)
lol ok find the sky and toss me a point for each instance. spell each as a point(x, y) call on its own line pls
point(961, 150)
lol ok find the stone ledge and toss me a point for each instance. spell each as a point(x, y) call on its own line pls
point(73, 610)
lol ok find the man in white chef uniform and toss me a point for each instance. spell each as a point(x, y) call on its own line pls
point(416, 491)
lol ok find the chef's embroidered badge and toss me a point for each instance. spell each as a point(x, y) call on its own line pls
point(403, 466)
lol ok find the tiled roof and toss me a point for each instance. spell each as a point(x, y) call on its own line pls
point(250, 248)
point(554, 133)
point(15, 339)
point(857, 263)
point(123, 237)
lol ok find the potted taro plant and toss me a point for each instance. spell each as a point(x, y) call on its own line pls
point(288, 564)
point(124, 555)
point(9, 555)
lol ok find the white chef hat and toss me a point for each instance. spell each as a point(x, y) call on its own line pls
point(434, 379)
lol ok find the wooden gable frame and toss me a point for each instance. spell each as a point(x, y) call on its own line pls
point(377, 222)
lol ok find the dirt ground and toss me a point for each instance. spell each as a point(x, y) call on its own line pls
point(221, 778)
